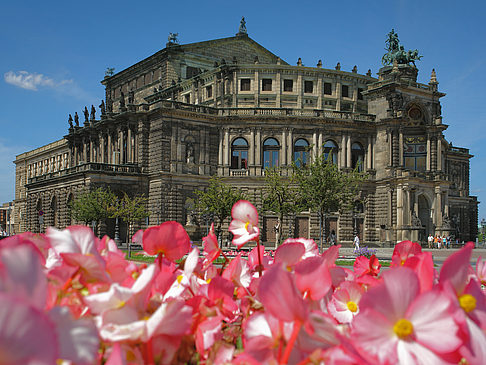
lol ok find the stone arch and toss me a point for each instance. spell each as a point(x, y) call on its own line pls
point(190, 149)
point(54, 214)
point(425, 211)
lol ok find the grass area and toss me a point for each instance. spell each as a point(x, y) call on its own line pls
point(138, 256)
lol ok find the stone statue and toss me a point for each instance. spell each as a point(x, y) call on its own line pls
point(102, 107)
point(86, 115)
point(76, 119)
point(173, 38)
point(122, 99)
point(396, 52)
point(131, 97)
point(109, 71)
point(70, 121)
point(338, 66)
point(93, 112)
point(242, 29)
point(109, 105)
point(190, 154)
point(416, 222)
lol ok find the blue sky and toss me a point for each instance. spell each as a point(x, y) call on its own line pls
point(54, 54)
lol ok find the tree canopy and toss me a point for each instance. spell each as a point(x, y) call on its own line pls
point(93, 206)
point(324, 188)
point(217, 200)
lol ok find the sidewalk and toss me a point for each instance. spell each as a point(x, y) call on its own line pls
point(439, 256)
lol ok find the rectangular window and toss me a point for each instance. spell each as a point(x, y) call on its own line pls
point(327, 88)
point(245, 85)
point(360, 94)
point(187, 98)
point(289, 85)
point(308, 87)
point(266, 84)
point(209, 91)
point(191, 72)
point(345, 91)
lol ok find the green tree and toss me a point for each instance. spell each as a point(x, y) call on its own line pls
point(93, 206)
point(324, 188)
point(280, 195)
point(131, 210)
point(217, 201)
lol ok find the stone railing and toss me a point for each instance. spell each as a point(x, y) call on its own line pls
point(277, 112)
point(87, 167)
point(239, 173)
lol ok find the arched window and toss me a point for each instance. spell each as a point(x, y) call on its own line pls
point(271, 149)
point(357, 156)
point(239, 154)
point(301, 152)
point(331, 151)
point(54, 211)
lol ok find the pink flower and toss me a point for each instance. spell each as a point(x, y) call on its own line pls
point(211, 247)
point(344, 304)
point(313, 277)
point(367, 266)
point(399, 326)
point(244, 225)
point(27, 336)
point(403, 251)
point(170, 239)
point(279, 295)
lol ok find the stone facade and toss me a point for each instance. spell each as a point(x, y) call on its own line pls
point(231, 108)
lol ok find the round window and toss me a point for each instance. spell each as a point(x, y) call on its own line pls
point(415, 113)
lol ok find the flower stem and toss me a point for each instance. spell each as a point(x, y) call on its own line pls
point(259, 258)
point(291, 342)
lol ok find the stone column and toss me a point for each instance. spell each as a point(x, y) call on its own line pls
point(278, 89)
point(284, 148)
point(368, 154)
point(348, 151)
point(256, 89)
point(342, 154)
point(85, 152)
point(290, 145)
point(102, 148)
point(338, 94)
point(235, 89)
point(173, 150)
point(110, 150)
point(439, 154)
point(415, 203)
point(400, 207)
point(226, 148)
point(438, 207)
point(258, 152)
point(300, 91)
point(319, 145)
point(314, 145)
point(319, 92)
point(390, 147)
point(251, 148)
point(390, 207)
point(446, 204)
point(400, 148)
point(129, 146)
point(122, 147)
point(427, 162)
point(201, 146)
point(215, 91)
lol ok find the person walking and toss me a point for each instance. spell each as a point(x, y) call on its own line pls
point(356, 242)
point(430, 239)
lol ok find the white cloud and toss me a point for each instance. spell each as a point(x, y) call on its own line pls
point(31, 81)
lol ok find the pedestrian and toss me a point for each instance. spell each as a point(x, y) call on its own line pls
point(356, 242)
point(430, 239)
point(444, 241)
point(448, 241)
point(435, 241)
point(332, 238)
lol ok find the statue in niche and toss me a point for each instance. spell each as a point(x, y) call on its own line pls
point(102, 107)
point(76, 119)
point(446, 222)
point(70, 121)
point(109, 105)
point(131, 97)
point(416, 222)
point(93, 112)
point(190, 213)
point(86, 115)
point(122, 100)
point(190, 153)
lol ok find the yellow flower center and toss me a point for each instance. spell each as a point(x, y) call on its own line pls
point(120, 304)
point(352, 306)
point(246, 225)
point(208, 280)
point(467, 302)
point(403, 328)
point(179, 278)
